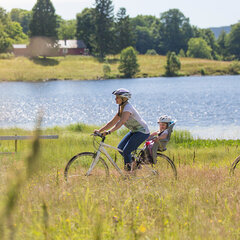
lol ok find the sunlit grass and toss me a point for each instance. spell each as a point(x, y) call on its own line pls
point(86, 67)
point(202, 204)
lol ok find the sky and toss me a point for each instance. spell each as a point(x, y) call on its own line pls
point(201, 13)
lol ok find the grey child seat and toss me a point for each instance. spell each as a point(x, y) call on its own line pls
point(162, 143)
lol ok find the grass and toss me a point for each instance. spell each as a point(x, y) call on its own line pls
point(87, 68)
point(202, 204)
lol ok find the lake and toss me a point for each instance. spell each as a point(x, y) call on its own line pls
point(207, 106)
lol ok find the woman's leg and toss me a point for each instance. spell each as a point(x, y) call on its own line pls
point(134, 141)
point(124, 141)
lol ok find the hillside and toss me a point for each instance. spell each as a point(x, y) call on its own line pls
point(217, 30)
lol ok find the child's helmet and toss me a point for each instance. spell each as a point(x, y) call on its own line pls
point(122, 92)
point(165, 119)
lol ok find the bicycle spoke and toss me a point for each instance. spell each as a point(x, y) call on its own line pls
point(165, 166)
point(79, 165)
point(235, 165)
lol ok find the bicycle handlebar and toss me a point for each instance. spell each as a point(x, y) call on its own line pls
point(97, 134)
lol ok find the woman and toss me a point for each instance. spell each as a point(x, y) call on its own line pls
point(129, 117)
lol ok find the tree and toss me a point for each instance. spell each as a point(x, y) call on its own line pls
point(209, 37)
point(198, 48)
point(10, 32)
point(5, 41)
point(124, 30)
point(21, 16)
point(67, 29)
point(128, 62)
point(222, 43)
point(14, 31)
point(173, 64)
point(44, 20)
point(86, 27)
point(146, 33)
point(104, 21)
point(175, 31)
point(144, 39)
point(233, 41)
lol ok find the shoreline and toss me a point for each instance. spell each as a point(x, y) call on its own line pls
point(188, 134)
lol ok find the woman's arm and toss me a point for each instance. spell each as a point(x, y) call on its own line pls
point(110, 124)
point(122, 120)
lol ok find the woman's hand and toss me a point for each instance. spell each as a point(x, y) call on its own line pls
point(96, 131)
point(104, 133)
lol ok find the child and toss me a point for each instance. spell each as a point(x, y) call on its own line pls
point(164, 122)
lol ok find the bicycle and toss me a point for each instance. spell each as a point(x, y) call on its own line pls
point(85, 163)
point(234, 164)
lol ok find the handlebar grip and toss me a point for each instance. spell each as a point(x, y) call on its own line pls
point(98, 134)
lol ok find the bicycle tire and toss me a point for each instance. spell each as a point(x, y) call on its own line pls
point(79, 164)
point(234, 164)
point(165, 166)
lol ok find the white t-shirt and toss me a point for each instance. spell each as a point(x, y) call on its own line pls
point(135, 123)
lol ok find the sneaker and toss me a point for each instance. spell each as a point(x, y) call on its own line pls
point(133, 165)
point(127, 167)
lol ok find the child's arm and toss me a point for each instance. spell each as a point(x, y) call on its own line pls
point(162, 136)
point(152, 135)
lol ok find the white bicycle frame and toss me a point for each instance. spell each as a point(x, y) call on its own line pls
point(100, 150)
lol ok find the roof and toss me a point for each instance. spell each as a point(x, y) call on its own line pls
point(19, 46)
point(71, 44)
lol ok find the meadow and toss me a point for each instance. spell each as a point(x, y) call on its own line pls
point(89, 68)
point(37, 203)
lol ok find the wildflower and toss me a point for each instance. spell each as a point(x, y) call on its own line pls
point(142, 229)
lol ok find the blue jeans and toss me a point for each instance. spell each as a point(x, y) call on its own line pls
point(131, 142)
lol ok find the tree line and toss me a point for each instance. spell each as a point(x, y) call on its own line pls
point(105, 33)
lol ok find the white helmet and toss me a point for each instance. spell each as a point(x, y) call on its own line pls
point(165, 119)
point(122, 92)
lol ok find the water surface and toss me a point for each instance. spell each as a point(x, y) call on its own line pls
point(207, 106)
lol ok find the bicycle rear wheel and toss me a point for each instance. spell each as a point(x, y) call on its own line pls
point(234, 165)
point(79, 164)
point(165, 166)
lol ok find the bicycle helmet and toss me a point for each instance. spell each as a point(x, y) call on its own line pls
point(122, 92)
point(165, 119)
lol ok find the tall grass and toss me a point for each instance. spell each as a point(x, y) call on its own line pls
point(202, 204)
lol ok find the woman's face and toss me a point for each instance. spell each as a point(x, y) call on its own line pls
point(118, 99)
point(163, 126)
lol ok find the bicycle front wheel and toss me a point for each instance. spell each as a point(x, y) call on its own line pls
point(79, 165)
point(234, 164)
point(165, 166)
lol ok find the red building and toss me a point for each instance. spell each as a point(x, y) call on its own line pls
point(20, 49)
point(65, 47)
point(72, 47)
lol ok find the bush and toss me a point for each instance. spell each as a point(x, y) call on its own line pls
point(128, 62)
point(234, 67)
point(198, 48)
point(106, 69)
point(181, 53)
point(6, 55)
point(151, 52)
point(173, 64)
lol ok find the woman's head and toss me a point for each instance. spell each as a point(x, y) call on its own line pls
point(120, 100)
point(122, 94)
